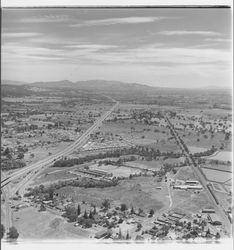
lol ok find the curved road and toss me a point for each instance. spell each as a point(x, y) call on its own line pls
point(50, 160)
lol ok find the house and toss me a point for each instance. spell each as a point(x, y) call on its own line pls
point(192, 182)
point(103, 234)
point(214, 219)
point(208, 211)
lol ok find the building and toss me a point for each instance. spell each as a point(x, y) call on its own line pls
point(103, 234)
point(208, 211)
point(192, 182)
point(214, 219)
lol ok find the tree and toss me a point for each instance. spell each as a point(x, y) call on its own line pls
point(20, 156)
point(106, 204)
point(2, 231)
point(120, 234)
point(13, 233)
point(78, 210)
point(139, 226)
point(94, 210)
point(174, 171)
point(151, 212)
point(42, 208)
point(140, 210)
point(217, 235)
point(123, 207)
point(127, 236)
point(90, 215)
point(71, 213)
point(85, 215)
point(6, 152)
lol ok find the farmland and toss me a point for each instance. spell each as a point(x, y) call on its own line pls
point(132, 161)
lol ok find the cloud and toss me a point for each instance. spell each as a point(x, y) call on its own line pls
point(218, 40)
point(123, 20)
point(94, 47)
point(188, 32)
point(45, 19)
point(20, 34)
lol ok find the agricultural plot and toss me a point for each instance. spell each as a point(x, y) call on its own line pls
point(216, 176)
point(221, 156)
point(219, 187)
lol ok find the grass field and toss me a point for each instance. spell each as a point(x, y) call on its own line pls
point(115, 170)
point(217, 176)
point(221, 156)
point(189, 202)
point(185, 173)
point(139, 192)
point(193, 140)
point(45, 225)
point(142, 134)
point(53, 177)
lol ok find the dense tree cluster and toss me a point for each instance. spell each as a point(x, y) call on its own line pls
point(206, 153)
point(12, 164)
point(2, 231)
point(79, 182)
point(144, 151)
point(13, 233)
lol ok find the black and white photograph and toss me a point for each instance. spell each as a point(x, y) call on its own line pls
point(116, 124)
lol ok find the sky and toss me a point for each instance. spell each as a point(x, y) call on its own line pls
point(166, 47)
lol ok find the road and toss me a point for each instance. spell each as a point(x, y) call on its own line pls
point(219, 209)
point(6, 204)
point(50, 160)
point(34, 169)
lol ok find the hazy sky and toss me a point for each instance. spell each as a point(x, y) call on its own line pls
point(156, 46)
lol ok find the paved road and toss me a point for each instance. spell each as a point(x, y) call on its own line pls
point(8, 212)
point(34, 169)
point(50, 160)
point(219, 209)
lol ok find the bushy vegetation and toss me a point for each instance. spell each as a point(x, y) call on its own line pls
point(79, 182)
point(144, 151)
point(13, 233)
point(12, 164)
point(2, 231)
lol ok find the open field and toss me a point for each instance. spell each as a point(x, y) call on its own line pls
point(56, 176)
point(152, 135)
point(219, 167)
point(189, 202)
point(221, 156)
point(219, 187)
point(45, 225)
point(216, 176)
point(115, 170)
point(139, 192)
point(186, 173)
point(193, 140)
point(194, 149)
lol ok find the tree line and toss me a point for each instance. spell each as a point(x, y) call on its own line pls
point(144, 151)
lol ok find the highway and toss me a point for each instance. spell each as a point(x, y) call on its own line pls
point(50, 160)
point(34, 169)
point(219, 209)
point(6, 203)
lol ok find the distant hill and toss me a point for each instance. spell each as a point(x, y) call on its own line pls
point(124, 92)
point(93, 85)
point(9, 82)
